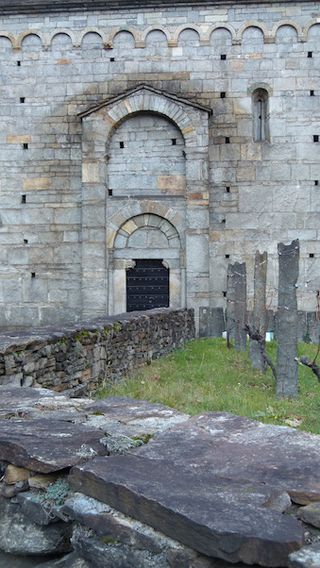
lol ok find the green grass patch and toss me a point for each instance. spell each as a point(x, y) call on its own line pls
point(208, 376)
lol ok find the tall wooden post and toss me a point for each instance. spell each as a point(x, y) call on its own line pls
point(287, 320)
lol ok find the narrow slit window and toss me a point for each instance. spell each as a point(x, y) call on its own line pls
point(223, 95)
point(174, 141)
point(110, 192)
point(223, 56)
point(260, 115)
point(23, 199)
point(22, 100)
point(227, 140)
point(316, 138)
point(25, 146)
point(311, 93)
point(309, 54)
point(121, 144)
point(316, 182)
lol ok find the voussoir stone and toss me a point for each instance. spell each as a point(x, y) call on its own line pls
point(217, 517)
point(241, 448)
point(45, 445)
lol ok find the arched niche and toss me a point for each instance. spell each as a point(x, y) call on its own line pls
point(105, 216)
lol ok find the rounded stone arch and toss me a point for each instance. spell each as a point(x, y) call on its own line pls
point(149, 102)
point(186, 27)
point(93, 30)
point(61, 32)
point(134, 33)
point(252, 24)
point(290, 24)
point(226, 27)
point(156, 28)
point(147, 221)
point(23, 36)
point(146, 211)
point(308, 27)
point(10, 38)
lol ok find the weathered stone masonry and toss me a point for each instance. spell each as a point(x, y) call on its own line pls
point(186, 132)
point(79, 357)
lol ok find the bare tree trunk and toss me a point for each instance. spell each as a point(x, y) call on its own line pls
point(259, 311)
point(287, 329)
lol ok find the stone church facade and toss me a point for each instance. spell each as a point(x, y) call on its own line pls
point(168, 139)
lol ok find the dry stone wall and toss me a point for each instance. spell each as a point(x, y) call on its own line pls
point(79, 357)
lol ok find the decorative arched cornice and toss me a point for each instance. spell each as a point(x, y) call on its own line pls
point(139, 36)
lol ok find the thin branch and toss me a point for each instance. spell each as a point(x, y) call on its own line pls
point(256, 336)
point(312, 365)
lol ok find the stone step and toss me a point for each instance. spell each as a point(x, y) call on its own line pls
point(219, 517)
point(241, 448)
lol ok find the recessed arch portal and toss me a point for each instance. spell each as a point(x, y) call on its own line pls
point(156, 223)
point(153, 240)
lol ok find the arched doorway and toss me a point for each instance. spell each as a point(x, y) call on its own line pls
point(147, 255)
point(147, 285)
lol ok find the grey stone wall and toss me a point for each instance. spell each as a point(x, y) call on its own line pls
point(239, 195)
point(79, 357)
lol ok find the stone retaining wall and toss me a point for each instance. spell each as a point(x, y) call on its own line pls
point(79, 356)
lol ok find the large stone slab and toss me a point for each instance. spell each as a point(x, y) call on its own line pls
point(240, 448)
point(217, 517)
point(46, 445)
point(137, 413)
point(35, 402)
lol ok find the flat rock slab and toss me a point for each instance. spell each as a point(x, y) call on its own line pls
point(217, 517)
point(240, 448)
point(137, 413)
point(34, 402)
point(45, 445)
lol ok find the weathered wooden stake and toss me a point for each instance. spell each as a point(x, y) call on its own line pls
point(287, 328)
point(237, 304)
point(258, 319)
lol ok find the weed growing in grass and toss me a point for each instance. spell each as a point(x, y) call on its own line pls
point(208, 376)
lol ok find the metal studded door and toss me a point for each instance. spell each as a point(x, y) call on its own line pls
point(147, 285)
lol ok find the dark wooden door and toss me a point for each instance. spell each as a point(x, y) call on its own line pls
point(147, 285)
